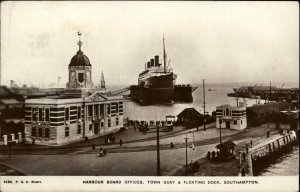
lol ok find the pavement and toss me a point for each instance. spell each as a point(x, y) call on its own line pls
point(132, 159)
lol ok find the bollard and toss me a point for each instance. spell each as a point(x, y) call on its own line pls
point(12, 137)
point(5, 139)
point(20, 136)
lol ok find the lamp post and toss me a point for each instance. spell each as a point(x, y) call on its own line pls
point(186, 160)
point(204, 104)
point(220, 122)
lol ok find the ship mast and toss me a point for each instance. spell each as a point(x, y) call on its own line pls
point(165, 55)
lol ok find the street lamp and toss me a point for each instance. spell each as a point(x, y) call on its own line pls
point(186, 160)
point(220, 122)
point(204, 128)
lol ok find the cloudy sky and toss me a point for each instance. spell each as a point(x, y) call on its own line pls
point(220, 41)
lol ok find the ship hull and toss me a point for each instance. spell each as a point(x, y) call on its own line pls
point(154, 89)
point(147, 96)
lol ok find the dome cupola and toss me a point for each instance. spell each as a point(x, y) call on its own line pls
point(80, 59)
point(80, 70)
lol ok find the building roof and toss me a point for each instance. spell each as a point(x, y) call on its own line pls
point(10, 101)
point(268, 107)
point(4, 91)
point(15, 121)
point(238, 108)
point(257, 88)
point(189, 111)
point(227, 145)
point(80, 60)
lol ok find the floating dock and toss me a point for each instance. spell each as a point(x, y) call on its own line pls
point(181, 93)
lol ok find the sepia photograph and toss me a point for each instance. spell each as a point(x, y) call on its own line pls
point(174, 95)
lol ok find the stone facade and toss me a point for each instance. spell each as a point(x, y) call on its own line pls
point(80, 77)
point(58, 120)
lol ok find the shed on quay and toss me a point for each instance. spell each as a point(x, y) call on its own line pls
point(190, 117)
point(260, 114)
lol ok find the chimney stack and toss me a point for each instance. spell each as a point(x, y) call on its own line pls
point(156, 57)
point(152, 62)
point(148, 64)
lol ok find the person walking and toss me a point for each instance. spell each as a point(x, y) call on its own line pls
point(172, 145)
point(121, 142)
point(244, 156)
point(101, 152)
point(243, 172)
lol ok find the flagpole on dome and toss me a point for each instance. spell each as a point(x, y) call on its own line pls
point(79, 42)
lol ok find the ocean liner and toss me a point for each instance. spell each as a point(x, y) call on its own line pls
point(156, 82)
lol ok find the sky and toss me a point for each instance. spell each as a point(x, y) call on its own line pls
point(227, 42)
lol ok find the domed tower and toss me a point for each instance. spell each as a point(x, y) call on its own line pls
point(80, 70)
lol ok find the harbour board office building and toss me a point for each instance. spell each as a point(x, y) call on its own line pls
point(80, 112)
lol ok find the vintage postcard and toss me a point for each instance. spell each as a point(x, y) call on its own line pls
point(149, 96)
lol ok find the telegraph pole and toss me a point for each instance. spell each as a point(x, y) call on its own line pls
point(157, 148)
point(220, 122)
point(186, 159)
point(203, 80)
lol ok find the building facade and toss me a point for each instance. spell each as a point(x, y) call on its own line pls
point(80, 112)
point(59, 120)
point(231, 117)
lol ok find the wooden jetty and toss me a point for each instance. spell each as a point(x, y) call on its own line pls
point(268, 151)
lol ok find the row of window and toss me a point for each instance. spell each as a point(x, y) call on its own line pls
point(40, 114)
point(43, 114)
point(234, 122)
point(45, 132)
point(40, 132)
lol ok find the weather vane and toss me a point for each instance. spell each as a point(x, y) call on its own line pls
point(79, 42)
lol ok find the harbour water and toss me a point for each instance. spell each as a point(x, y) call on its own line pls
point(213, 98)
point(286, 165)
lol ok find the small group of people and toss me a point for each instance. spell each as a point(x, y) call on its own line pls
point(103, 152)
point(243, 172)
point(194, 166)
point(212, 155)
point(172, 145)
point(110, 139)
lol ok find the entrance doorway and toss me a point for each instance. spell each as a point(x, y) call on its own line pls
point(96, 128)
point(228, 124)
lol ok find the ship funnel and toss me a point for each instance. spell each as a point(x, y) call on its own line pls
point(152, 62)
point(156, 57)
point(148, 64)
